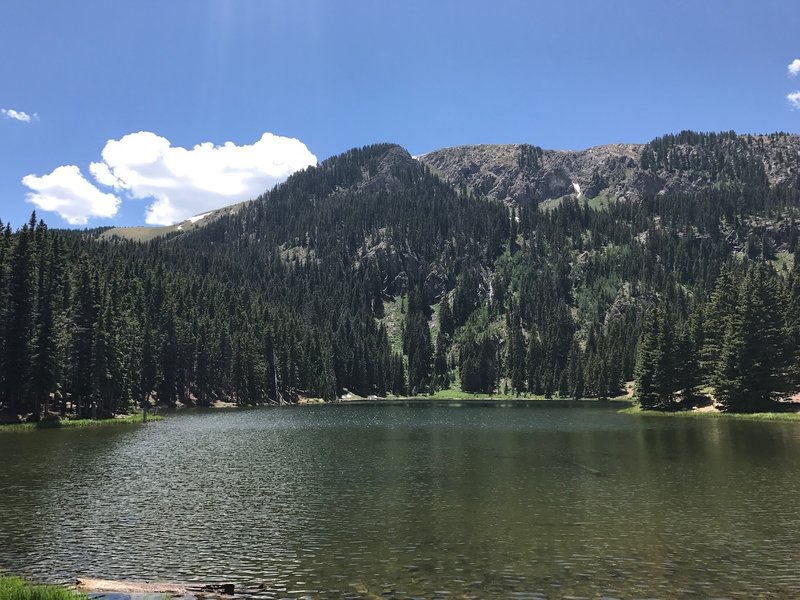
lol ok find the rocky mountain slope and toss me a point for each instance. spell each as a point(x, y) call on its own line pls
point(685, 163)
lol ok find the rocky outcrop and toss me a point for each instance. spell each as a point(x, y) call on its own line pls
point(502, 173)
point(384, 174)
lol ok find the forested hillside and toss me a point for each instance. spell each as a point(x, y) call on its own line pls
point(371, 274)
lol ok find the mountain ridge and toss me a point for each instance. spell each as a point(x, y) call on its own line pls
point(501, 171)
point(523, 174)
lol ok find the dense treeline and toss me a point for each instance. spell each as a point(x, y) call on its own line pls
point(97, 329)
point(369, 274)
point(742, 344)
point(725, 157)
point(237, 312)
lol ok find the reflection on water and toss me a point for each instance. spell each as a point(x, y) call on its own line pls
point(544, 501)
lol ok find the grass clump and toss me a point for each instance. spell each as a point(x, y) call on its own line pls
point(455, 393)
point(693, 414)
point(54, 422)
point(16, 588)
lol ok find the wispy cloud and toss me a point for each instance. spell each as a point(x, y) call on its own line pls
point(18, 115)
point(794, 99)
point(794, 67)
point(187, 181)
point(67, 192)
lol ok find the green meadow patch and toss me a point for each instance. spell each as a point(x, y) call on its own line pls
point(16, 588)
point(694, 414)
point(56, 423)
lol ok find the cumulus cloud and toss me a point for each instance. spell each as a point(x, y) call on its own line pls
point(183, 182)
point(67, 192)
point(179, 182)
point(794, 67)
point(18, 115)
point(794, 100)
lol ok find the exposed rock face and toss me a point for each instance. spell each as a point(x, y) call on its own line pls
point(384, 173)
point(501, 172)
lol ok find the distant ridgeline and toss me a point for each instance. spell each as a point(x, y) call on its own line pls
point(675, 262)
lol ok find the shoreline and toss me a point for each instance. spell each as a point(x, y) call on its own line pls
point(13, 587)
point(478, 398)
point(632, 409)
point(136, 418)
point(131, 419)
point(712, 414)
point(456, 394)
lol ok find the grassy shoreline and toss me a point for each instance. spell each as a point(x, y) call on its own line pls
point(693, 414)
point(131, 419)
point(447, 395)
point(16, 588)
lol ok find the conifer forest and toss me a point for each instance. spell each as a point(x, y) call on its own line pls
point(373, 275)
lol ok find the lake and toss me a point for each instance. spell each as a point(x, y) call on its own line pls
point(536, 500)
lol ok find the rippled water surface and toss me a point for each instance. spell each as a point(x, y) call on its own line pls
point(543, 501)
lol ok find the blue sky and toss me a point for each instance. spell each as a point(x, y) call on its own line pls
point(341, 73)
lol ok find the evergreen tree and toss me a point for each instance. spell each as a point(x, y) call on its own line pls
point(44, 371)
point(517, 355)
point(654, 373)
point(751, 363)
point(19, 321)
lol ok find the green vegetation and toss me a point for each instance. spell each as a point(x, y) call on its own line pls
point(723, 157)
point(56, 423)
point(784, 262)
point(398, 284)
point(456, 393)
point(741, 343)
point(138, 234)
point(392, 319)
point(16, 588)
point(553, 203)
point(694, 414)
point(601, 202)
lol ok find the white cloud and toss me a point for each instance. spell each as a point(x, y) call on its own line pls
point(67, 192)
point(794, 67)
point(184, 182)
point(18, 115)
point(794, 100)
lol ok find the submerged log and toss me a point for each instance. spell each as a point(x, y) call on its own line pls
point(210, 590)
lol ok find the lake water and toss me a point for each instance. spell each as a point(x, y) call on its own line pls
point(547, 500)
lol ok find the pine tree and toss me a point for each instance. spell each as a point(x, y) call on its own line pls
point(83, 342)
point(654, 373)
point(574, 385)
point(440, 370)
point(446, 324)
point(532, 364)
point(517, 355)
point(417, 344)
point(44, 358)
point(687, 373)
point(792, 327)
point(749, 370)
point(729, 378)
point(19, 322)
